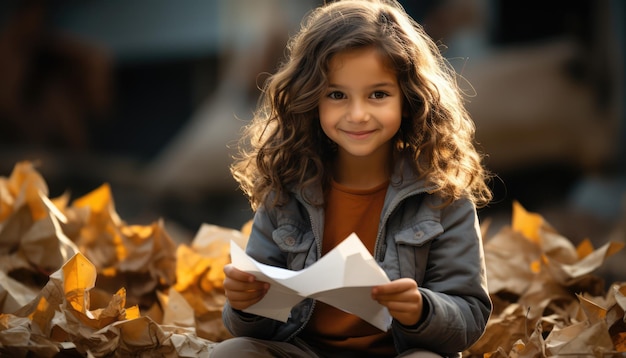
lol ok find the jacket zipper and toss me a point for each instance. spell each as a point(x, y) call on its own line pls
point(379, 248)
point(319, 254)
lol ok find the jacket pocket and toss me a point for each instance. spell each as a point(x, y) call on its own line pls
point(420, 234)
point(295, 243)
point(413, 245)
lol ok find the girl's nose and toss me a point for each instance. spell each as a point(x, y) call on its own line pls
point(357, 112)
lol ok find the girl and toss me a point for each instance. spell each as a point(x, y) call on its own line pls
point(363, 130)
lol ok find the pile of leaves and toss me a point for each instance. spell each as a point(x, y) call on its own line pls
point(547, 301)
point(76, 279)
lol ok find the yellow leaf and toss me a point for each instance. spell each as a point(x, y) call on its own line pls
point(40, 316)
point(584, 248)
point(79, 276)
point(97, 199)
point(133, 312)
point(526, 223)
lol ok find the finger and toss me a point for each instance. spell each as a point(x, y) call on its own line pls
point(412, 295)
point(395, 287)
point(408, 313)
point(243, 304)
point(242, 299)
point(231, 284)
point(238, 275)
point(401, 307)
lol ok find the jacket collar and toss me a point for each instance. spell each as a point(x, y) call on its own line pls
point(404, 181)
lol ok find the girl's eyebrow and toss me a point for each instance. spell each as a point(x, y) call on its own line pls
point(375, 85)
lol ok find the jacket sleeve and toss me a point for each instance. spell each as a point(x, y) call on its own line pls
point(454, 288)
point(261, 247)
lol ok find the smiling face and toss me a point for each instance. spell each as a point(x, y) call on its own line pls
point(361, 109)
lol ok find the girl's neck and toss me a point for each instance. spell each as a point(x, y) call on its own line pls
point(362, 172)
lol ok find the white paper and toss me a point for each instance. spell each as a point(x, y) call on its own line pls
point(342, 278)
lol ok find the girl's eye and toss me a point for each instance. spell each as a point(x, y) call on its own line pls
point(378, 95)
point(336, 95)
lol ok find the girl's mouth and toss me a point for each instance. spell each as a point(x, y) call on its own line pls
point(359, 135)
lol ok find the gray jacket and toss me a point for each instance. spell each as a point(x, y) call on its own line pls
point(441, 248)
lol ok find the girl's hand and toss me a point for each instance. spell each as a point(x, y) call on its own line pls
point(402, 299)
point(242, 289)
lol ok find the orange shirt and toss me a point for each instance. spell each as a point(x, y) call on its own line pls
point(347, 211)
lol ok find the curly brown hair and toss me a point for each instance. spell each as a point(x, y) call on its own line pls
point(283, 148)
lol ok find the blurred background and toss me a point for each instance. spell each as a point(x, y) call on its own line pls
point(149, 96)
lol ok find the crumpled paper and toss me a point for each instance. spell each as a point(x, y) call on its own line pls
point(31, 237)
point(546, 300)
point(200, 276)
point(45, 312)
point(61, 318)
point(76, 279)
point(39, 234)
point(141, 258)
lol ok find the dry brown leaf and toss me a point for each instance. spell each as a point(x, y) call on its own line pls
point(513, 254)
point(503, 330)
point(593, 308)
point(564, 272)
point(593, 340)
point(543, 292)
point(176, 310)
point(18, 339)
point(13, 294)
point(31, 229)
point(22, 188)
